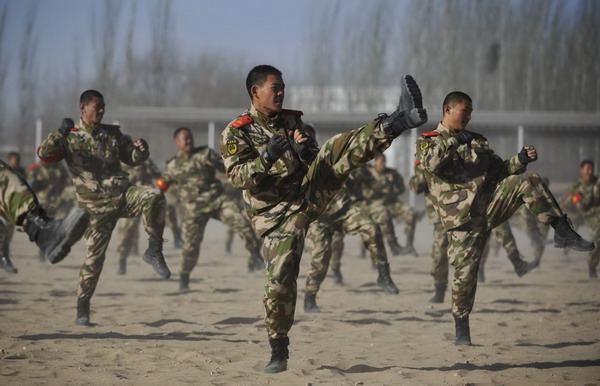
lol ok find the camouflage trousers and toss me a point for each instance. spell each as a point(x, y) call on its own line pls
point(439, 254)
point(354, 220)
point(337, 250)
point(503, 234)
point(402, 212)
point(17, 197)
point(283, 246)
point(136, 201)
point(129, 235)
point(497, 205)
point(536, 231)
point(194, 224)
point(594, 256)
point(382, 216)
point(172, 208)
point(6, 233)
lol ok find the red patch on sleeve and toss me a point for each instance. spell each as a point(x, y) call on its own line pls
point(34, 166)
point(417, 162)
point(430, 134)
point(242, 121)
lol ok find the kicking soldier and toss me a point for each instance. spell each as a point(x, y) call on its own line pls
point(473, 190)
point(288, 182)
point(94, 152)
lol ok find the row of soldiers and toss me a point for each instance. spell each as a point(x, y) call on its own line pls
point(293, 187)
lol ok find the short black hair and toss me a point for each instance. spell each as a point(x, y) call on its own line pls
point(87, 96)
point(585, 162)
point(14, 154)
point(258, 75)
point(179, 130)
point(455, 97)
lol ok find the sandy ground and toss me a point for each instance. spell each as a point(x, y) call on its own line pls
point(543, 328)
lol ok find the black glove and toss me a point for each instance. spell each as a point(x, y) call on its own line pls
point(523, 157)
point(65, 127)
point(145, 145)
point(306, 150)
point(275, 148)
point(463, 137)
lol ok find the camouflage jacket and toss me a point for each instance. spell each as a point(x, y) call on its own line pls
point(270, 191)
point(418, 184)
point(589, 205)
point(144, 174)
point(461, 178)
point(94, 156)
point(382, 188)
point(195, 174)
point(48, 179)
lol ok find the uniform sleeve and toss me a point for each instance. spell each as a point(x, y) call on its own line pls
point(244, 166)
point(167, 174)
point(53, 148)
point(590, 197)
point(503, 168)
point(417, 183)
point(216, 160)
point(434, 153)
point(399, 183)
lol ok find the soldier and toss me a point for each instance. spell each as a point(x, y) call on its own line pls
point(194, 170)
point(50, 181)
point(94, 152)
point(19, 206)
point(6, 228)
point(234, 195)
point(343, 214)
point(586, 197)
point(473, 190)
point(173, 213)
point(144, 174)
point(288, 182)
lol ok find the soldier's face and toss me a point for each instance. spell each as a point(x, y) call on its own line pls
point(586, 172)
point(268, 97)
point(457, 117)
point(14, 161)
point(184, 141)
point(93, 112)
point(380, 164)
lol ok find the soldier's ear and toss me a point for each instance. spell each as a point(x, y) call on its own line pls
point(254, 91)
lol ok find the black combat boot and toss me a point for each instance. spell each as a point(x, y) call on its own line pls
point(184, 282)
point(83, 312)
point(409, 113)
point(395, 248)
point(384, 280)
point(55, 237)
point(566, 237)
point(279, 355)
point(256, 262)
point(310, 303)
point(409, 249)
point(593, 274)
point(521, 266)
point(154, 257)
point(481, 274)
point(122, 267)
point(7, 264)
point(463, 332)
point(440, 291)
point(336, 274)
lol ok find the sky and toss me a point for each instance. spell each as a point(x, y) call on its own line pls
point(263, 31)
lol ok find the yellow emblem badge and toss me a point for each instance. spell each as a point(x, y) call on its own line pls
point(232, 146)
point(424, 145)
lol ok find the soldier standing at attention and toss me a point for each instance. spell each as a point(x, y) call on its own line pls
point(194, 170)
point(19, 206)
point(586, 197)
point(94, 152)
point(288, 182)
point(473, 190)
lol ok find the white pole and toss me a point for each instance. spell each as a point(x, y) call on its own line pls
point(411, 170)
point(38, 137)
point(520, 137)
point(211, 134)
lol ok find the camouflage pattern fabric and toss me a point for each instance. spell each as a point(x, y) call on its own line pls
point(6, 233)
point(503, 233)
point(537, 232)
point(473, 190)
point(51, 183)
point(284, 198)
point(346, 216)
point(202, 196)
point(94, 156)
point(337, 249)
point(17, 197)
point(590, 208)
point(173, 212)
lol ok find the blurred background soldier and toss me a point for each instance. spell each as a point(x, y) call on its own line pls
point(174, 213)
point(586, 197)
point(50, 181)
point(234, 195)
point(19, 206)
point(129, 228)
point(7, 229)
point(194, 170)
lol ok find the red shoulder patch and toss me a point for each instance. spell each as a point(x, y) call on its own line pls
point(242, 121)
point(74, 128)
point(430, 134)
point(292, 112)
point(417, 162)
point(34, 166)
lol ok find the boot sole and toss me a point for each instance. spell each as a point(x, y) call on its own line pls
point(563, 246)
point(74, 234)
point(414, 91)
point(164, 275)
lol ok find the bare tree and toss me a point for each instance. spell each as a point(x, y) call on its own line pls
point(105, 27)
point(162, 58)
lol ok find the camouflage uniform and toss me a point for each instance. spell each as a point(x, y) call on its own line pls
point(203, 198)
point(7, 227)
point(439, 246)
point(93, 155)
point(536, 231)
point(17, 197)
point(173, 214)
point(344, 214)
point(282, 199)
point(589, 205)
point(234, 195)
point(50, 182)
point(144, 174)
point(473, 190)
